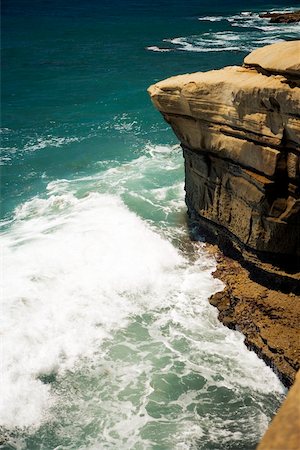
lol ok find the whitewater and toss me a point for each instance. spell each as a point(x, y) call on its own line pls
point(106, 317)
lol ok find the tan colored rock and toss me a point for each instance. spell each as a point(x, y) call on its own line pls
point(224, 142)
point(237, 97)
point(236, 112)
point(282, 57)
point(284, 431)
point(240, 131)
point(242, 202)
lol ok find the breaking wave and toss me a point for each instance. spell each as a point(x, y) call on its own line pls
point(246, 32)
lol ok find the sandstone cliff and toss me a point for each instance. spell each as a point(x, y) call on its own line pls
point(284, 431)
point(239, 128)
point(240, 132)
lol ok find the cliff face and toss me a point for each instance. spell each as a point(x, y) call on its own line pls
point(284, 431)
point(240, 132)
point(239, 128)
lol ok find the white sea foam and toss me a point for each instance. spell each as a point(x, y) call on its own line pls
point(160, 166)
point(154, 150)
point(4, 160)
point(211, 18)
point(204, 45)
point(245, 34)
point(32, 144)
point(48, 141)
point(80, 271)
point(74, 270)
point(154, 48)
point(253, 20)
point(124, 123)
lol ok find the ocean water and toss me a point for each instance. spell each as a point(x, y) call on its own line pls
point(108, 340)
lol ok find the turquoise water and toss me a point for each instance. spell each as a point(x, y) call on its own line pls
point(108, 340)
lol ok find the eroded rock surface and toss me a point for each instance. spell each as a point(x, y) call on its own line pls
point(239, 128)
point(240, 132)
point(268, 318)
point(284, 431)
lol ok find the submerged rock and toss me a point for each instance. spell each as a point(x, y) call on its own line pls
point(288, 17)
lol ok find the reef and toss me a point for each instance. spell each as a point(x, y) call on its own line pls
point(239, 129)
point(288, 17)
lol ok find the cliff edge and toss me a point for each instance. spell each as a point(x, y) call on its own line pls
point(239, 129)
point(240, 132)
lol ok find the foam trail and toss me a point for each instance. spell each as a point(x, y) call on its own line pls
point(244, 35)
point(154, 48)
point(211, 18)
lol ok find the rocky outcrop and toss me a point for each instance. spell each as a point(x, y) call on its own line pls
point(284, 431)
point(240, 132)
point(289, 17)
point(284, 59)
point(239, 128)
point(269, 319)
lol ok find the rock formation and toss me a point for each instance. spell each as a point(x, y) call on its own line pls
point(288, 17)
point(268, 318)
point(284, 431)
point(239, 128)
point(240, 132)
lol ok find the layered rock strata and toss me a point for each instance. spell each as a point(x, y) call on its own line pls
point(239, 128)
point(240, 132)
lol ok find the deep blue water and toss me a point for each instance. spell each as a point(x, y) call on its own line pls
point(109, 341)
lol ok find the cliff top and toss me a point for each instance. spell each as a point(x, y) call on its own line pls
point(241, 77)
point(282, 57)
point(248, 116)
